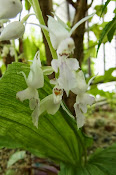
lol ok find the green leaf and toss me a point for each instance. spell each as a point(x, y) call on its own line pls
point(104, 7)
point(99, 8)
point(27, 5)
point(111, 33)
point(15, 157)
point(102, 162)
point(102, 158)
point(105, 31)
point(57, 136)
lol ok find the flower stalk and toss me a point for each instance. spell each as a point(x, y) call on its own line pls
point(39, 16)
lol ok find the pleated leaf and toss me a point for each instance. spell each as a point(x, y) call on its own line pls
point(102, 162)
point(57, 136)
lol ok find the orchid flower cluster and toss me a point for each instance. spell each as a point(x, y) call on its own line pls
point(69, 77)
point(9, 9)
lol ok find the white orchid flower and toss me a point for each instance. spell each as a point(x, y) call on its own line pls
point(9, 8)
point(34, 81)
point(51, 103)
point(81, 86)
point(83, 98)
point(59, 31)
point(12, 31)
point(67, 74)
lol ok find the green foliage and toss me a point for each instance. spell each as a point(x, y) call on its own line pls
point(99, 8)
point(102, 162)
point(107, 77)
point(31, 45)
point(91, 51)
point(104, 7)
point(27, 5)
point(111, 33)
point(57, 136)
point(105, 31)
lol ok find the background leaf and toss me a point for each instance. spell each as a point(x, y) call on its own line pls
point(15, 157)
point(105, 31)
point(104, 7)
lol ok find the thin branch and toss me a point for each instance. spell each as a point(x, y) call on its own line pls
point(72, 3)
point(90, 4)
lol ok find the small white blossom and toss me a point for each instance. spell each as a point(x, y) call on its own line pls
point(51, 103)
point(12, 31)
point(83, 99)
point(34, 81)
point(67, 74)
point(9, 8)
point(59, 31)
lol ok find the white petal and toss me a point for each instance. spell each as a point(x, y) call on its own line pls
point(80, 22)
point(73, 63)
point(36, 60)
point(55, 65)
point(89, 99)
point(28, 93)
point(81, 86)
point(36, 77)
point(35, 116)
point(47, 104)
point(67, 77)
point(60, 33)
point(83, 107)
point(66, 47)
point(53, 81)
point(80, 117)
point(9, 8)
point(12, 31)
point(33, 102)
point(83, 100)
point(86, 99)
point(61, 22)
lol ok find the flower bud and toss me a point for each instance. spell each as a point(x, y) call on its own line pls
point(9, 8)
point(12, 31)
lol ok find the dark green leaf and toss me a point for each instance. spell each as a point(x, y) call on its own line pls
point(104, 7)
point(111, 33)
point(105, 31)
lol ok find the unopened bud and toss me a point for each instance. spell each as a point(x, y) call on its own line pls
point(9, 8)
point(12, 31)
